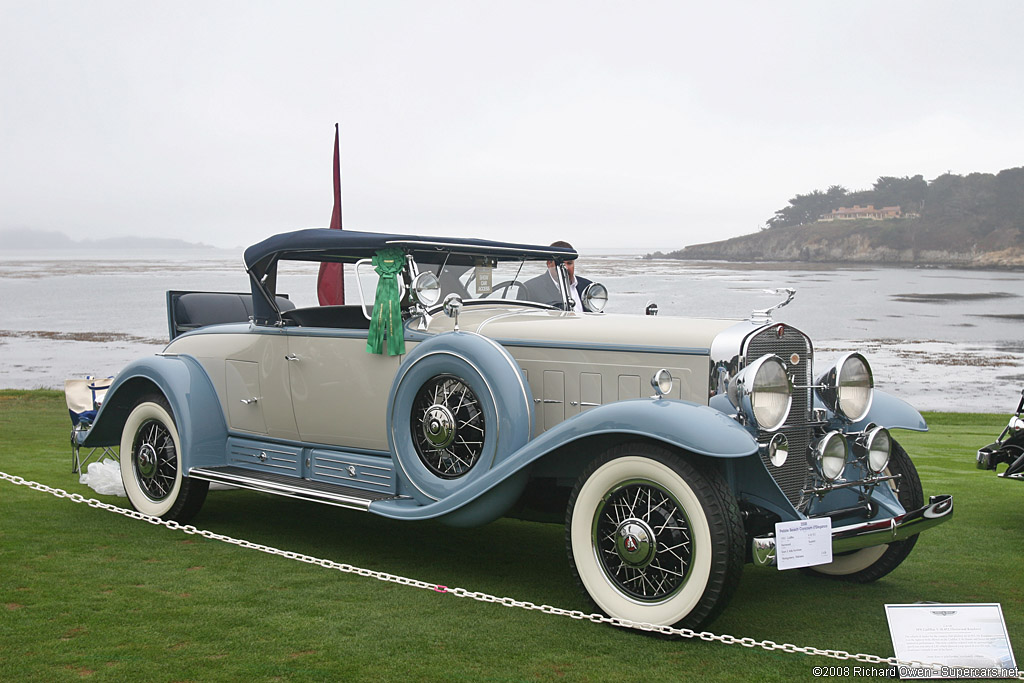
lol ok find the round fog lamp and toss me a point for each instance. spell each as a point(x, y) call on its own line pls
point(662, 382)
point(879, 448)
point(830, 454)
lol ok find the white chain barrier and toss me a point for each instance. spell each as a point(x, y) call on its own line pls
point(880, 666)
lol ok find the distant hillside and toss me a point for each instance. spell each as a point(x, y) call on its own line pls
point(51, 239)
point(973, 221)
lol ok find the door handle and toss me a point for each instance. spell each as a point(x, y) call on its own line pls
point(291, 356)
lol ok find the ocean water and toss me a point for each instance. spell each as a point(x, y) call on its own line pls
point(942, 339)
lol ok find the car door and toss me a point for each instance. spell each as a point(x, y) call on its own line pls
point(339, 391)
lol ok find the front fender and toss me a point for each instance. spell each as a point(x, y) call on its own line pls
point(892, 413)
point(197, 410)
point(689, 426)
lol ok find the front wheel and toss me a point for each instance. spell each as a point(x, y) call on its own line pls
point(870, 564)
point(654, 538)
point(151, 464)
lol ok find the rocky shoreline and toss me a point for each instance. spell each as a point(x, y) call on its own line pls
point(811, 244)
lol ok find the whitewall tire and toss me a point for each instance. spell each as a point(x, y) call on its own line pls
point(151, 464)
point(653, 537)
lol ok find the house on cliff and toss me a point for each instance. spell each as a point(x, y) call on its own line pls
point(868, 212)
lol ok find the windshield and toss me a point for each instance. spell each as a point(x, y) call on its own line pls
point(528, 281)
point(508, 280)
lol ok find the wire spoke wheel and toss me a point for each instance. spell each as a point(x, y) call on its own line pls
point(154, 460)
point(151, 463)
point(447, 424)
point(643, 540)
point(654, 536)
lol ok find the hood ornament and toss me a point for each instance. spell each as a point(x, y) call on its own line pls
point(765, 315)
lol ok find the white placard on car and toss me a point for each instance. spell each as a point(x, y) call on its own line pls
point(967, 640)
point(803, 543)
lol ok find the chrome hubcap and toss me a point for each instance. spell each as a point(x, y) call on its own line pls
point(439, 426)
point(147, 460)
point(635, 543)
point(447, 424)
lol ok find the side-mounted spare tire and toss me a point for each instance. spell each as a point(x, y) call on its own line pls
point(459, 405)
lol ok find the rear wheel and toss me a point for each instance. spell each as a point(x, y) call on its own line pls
point(870, 564)
point(653, 537)
point(151, 464)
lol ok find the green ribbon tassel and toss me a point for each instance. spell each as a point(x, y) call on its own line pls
point(386, 321)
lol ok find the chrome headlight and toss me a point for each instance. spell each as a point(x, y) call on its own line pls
point(879, 447)
point(426, 288)
point(848, 386)
point(595, 297)
point(763, 391)
point(830, 456)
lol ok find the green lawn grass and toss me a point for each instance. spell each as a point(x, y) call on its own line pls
point(86, 594)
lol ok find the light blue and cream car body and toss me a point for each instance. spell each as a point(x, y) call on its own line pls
point(670, 446)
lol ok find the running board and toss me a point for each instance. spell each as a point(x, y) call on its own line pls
point(280, 485)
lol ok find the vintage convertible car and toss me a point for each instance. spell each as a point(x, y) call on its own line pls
point(671, 447)
point(1008, 449)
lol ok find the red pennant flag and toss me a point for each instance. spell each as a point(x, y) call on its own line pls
point(330, 283)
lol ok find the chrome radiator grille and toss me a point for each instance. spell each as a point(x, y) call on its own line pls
point(793, 476)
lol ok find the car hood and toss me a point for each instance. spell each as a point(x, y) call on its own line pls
point(557, 328)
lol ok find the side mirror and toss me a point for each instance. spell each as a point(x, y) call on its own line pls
point(452, 305)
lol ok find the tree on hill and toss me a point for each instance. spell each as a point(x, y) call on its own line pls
point(906, 193)
point(979, 202)
point(807, 208)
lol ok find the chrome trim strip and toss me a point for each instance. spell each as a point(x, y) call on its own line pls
point(594, 346)
point(868, 534)
point(280, 489)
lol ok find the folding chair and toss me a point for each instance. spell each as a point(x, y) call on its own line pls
point(84, 397)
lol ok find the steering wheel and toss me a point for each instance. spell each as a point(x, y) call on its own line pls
point(522, 294)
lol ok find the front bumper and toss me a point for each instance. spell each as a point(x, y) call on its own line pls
point(867, 534)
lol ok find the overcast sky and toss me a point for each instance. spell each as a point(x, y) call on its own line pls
point(639, 124)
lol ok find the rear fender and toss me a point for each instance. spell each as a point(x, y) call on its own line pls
point(196, 408)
